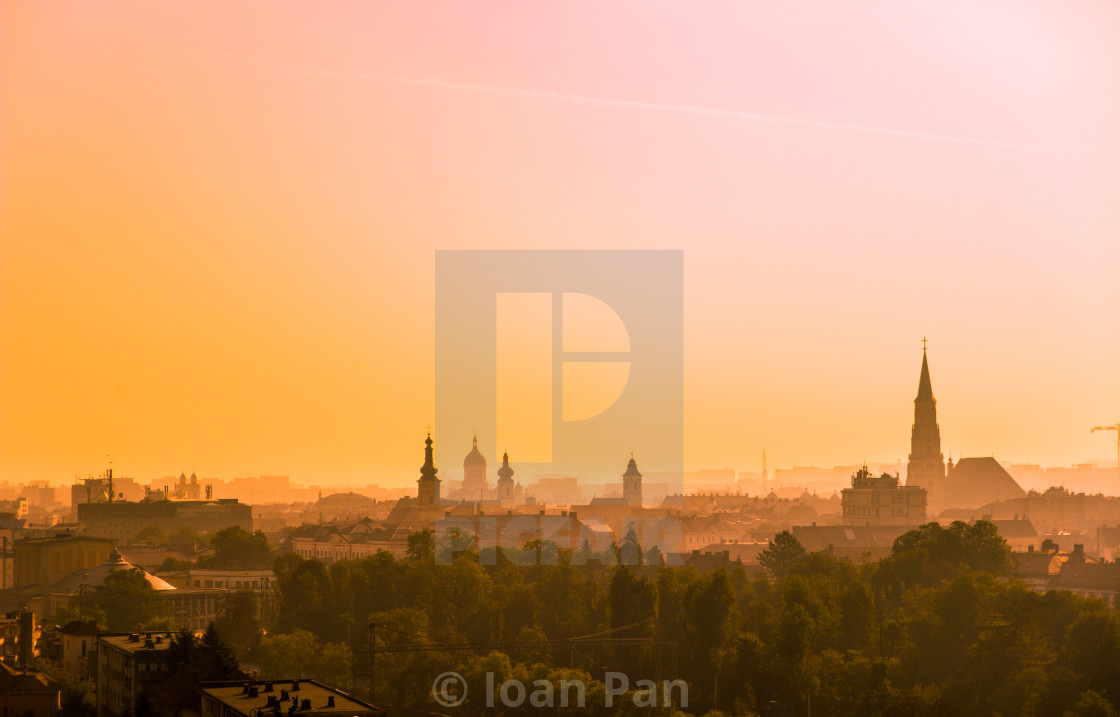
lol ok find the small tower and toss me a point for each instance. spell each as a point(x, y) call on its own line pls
point(428, 484)
point(505, 482)
point(474, 471)
point(632, 483)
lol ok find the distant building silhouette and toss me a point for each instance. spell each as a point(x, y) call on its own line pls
point(882, 501)
point(505, 481)
point(970, 483)
point(474, 472)
point(926, 464)
point(428, 484)
point(632, 484)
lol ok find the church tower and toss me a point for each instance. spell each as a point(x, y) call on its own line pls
point(474, 472)
point(428, 484)
point(632, 484)
point(505, 482)
point(926, 464)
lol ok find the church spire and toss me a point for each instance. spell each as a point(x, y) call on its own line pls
point(925, 387)
point(925, 466)
point(428, 492)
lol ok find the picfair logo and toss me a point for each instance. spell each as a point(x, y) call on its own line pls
point(568, 360)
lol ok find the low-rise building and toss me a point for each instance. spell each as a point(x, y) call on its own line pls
point(121, 520)
point(301, 697)
point(78, 648)
point(28, 693)
point(882, 501)
point(43, 561)
point(127, 663)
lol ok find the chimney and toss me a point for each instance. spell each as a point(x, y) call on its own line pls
point(26, 638)
point(254, 691)
point(304, 705)
point(330, 701)
point(267, 687)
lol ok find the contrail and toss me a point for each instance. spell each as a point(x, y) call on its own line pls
point(697, 110)
point(550, 95)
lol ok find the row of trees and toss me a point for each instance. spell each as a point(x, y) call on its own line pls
point(939, 627)
point(233, 547)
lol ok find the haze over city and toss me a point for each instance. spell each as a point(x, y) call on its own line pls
point(218, 236)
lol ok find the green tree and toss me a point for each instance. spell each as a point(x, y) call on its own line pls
point(335, 665)
point(78, 697)
point(421, 546)
point(237, 621)
point(128, 599)
point(151, 535)
point(306, 592)
point(1092, 704)
point(780, 555)
point(235, 547)
point(286, 655)
point(173, 565)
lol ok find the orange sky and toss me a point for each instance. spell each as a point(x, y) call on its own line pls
point(219, 219)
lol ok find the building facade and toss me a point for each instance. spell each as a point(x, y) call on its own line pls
point(121, 520)
point(880, 500)
point(127, 663)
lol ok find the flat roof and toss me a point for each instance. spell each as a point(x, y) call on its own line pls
point(232, 695)
point(59, 538)
point(125, 640)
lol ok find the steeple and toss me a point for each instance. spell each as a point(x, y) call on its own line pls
point(505, 481)
point(428, 484)
point(925, 387)
point(926, 464)
point(632, 483)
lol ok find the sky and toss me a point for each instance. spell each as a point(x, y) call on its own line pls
point(218, 221)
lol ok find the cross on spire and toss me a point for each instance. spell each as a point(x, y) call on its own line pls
point(923, 343)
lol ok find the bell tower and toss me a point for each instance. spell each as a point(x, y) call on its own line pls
point(926, 464)
point(632, 483)
point(505, 481)
point(428, 484)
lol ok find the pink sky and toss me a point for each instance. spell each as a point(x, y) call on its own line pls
point(218, 220)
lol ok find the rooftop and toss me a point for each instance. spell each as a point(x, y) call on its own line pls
point(133, 641)
point(247, 697)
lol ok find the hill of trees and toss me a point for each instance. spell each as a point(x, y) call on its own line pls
point(938, 628)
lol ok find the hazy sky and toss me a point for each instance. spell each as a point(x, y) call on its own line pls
point(219, 219)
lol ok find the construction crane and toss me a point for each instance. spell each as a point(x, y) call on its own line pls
point(1111, 428)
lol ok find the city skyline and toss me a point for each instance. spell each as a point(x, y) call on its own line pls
point(218, 244)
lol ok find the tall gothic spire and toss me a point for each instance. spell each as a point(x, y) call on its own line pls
point(925, 388)
point(926, 464)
